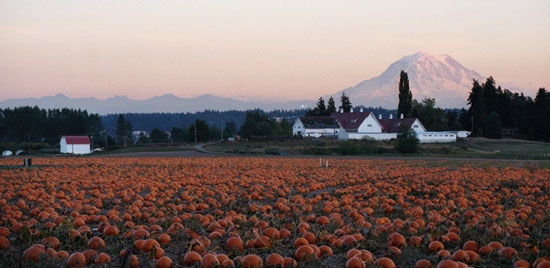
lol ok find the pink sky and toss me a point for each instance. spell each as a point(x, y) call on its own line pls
point(284, 49)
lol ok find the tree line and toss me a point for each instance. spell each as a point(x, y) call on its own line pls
point(40, 125)
point(321, 110)
point(493, 108)
point(256, 123)
point(165, 121)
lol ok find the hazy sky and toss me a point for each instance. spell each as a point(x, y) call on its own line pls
point(287, 49)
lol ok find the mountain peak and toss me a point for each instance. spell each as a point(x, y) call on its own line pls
point(60, 96)
point(430, 75)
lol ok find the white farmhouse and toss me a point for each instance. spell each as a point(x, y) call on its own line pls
point(363, 125)
point(315, 126)
point(75, 145)
point(360, 125)
point(393, 125)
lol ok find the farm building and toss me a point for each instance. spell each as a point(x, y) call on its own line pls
point(360, 125)
point(6, 153)
point(315, 126)
point(391, 125)
point(75, 145)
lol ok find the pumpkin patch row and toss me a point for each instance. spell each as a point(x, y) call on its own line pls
point(273, 212)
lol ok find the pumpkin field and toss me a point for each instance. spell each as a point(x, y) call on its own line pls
point(272, 212)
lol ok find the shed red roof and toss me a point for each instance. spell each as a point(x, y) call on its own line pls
point(393, 125)
point(350, 120)
point(77, 139)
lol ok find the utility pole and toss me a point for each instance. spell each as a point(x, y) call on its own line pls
point(29, 144)
point(222, 131)
point(92, 136)
point(195, 130)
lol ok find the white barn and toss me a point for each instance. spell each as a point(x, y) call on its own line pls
point(364, 125)
point(315, 126)
point(361, 125)
point(75, 145)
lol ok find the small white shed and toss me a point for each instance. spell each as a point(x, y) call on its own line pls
point(74, 145)
point(6, 153)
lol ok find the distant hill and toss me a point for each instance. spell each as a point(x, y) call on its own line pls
point(161, 104)
point(434, 76)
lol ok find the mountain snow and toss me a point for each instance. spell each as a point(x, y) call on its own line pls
point(434, 76)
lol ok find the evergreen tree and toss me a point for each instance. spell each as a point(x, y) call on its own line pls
point(230, 129)
point(541, 122)
point(177, 134)
point(123, 130)
point(264, 129)
point(476, 100)
point(405, 96)
point(434, 119)
point(494, 127)
point(345, 103)
point(158, 136)
point(202, 132)
point(465, 120)
point(452, 121)
point(249, 128)
point(331, 108)
point(321, 108)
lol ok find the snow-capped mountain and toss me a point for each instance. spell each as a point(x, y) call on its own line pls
point(434, 76)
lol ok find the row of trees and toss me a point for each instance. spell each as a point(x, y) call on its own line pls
point(256, 123)
point(322, 110)
point(165, 121)
point(260, 124)
point(200, 131)
point(41, 125)
point(492, 108)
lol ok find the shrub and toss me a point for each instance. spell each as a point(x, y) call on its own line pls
point(358, 147)
point(407, 142)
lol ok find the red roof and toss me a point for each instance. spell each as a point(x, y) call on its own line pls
point(350, 120)
point(393, 125)
point(77, 139)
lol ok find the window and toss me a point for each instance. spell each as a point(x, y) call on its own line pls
point(415, 126)
point(354, 120)
point(369, 125)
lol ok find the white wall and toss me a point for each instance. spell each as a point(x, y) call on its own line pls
point(436, 137)
point(73, 148)
point(461, 133)
point(319, 132)
point(298, 127)
point(63, 146)
point(418, 127)
point(359, 136)
point(80, 148)
point(370, 124)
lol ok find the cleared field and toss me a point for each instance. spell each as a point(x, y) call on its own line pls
point(249, 212)
point(471, 148)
